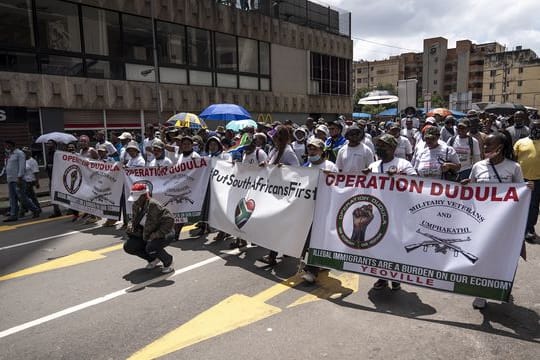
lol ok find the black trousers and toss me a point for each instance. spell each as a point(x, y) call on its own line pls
point(150, 250)
point(533, 207)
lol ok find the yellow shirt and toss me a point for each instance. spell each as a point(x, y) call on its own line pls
point(528, 156)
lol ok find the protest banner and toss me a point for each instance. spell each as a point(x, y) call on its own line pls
point(180, 188)
point(93, 187)
point(427, 232)
point(271, 206)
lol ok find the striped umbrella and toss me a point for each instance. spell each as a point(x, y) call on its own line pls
point(187, 120)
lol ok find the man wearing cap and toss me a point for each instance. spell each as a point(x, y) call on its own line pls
point(124, 138)
point(410, 113)
point(519, 130)
point(150, 229)
point(449, 129)
point(186, 152)
point(103, 154)
point(111, 150)
point(158, 149)
point(355, 156)
point(527, 152)
point(466, 147)
point(136, 159)
point(336, 141)
point(85, 150)
point(385, 146)
point(14, 170)
point(474, 130)
point(404, 147)
point(436, 160)
point(322, 132)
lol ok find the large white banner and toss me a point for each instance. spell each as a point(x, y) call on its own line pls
point(91, 186)
point(180, 188)
point(271, 206)
point(432, 233)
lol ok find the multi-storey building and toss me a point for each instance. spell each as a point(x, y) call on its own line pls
point(369, 74)
point(512, 76)
point(95, 64)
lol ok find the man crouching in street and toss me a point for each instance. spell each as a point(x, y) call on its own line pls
point(150, 230)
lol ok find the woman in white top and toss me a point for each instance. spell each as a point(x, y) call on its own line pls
point(135, 157)
point(160, 160)
point(500, 166)
point(436, 159)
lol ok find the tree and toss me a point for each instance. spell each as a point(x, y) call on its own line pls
point(436, 101)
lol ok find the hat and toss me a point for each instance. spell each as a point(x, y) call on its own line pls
point(260, 134)
point(137, 190)
point(220, 129)
point(158, 144)
point(432, 131)
point(324, 129)
point(102, 147)
point(465, 123)
point(125, 136)
point(299, 137)
point(316, 142)
point(431, 120)
point(26, 149)
point(336, 123)
point(216, 139)
point(449, 118)
point(388, 139)
point(132, 145)
point(352, 128)
point(197, 139)
point(394, 125)
point(472, 113)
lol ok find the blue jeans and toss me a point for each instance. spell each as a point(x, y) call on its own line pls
point(16, 194)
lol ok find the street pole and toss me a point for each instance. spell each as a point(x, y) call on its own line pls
point(156, 68)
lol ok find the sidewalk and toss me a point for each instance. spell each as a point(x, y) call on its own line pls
point(42, 194)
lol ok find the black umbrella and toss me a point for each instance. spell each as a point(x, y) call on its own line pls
point(506, 109)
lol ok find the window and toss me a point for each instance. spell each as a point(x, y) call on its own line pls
point(518, 96)
point(492, 85)
point(61, 65)
point(199, 48)
point(264, 58)
point(248, 56)
point(58, 25)
point(18, 62)
point(520, 82)
point(330, 75)
point(104, 69)
point(226, 52)
point(434, 82)
point(492, 73)
point(171, 43)
point(101, 32)
point(491, 98)
point(17, 27)
point(520, 70)
point(137, 35)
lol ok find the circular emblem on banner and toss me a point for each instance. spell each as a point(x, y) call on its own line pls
point(362, 221)
point(72, 179)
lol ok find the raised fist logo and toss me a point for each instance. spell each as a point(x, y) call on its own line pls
point(362, 217)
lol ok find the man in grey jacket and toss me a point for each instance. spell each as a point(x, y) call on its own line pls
point(15, 166)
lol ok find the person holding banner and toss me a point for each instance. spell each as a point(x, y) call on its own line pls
point(281, 154)
point(385, 146)
point(160, 160)
point(354, 156)
point(150, 230)
point(136, 159)
point(499, 166)
point(436, 159)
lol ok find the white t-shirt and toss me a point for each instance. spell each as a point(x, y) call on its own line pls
point(288, 157)
point(463, 149)
point(148, 143)
point(428, 162)
point(161, 162)
point(415, 122)
point(403, 148)
point(30, 170)
point(136, 162)
point(299, 149)
point(354, 159)
point(326, 165)
point(400, 166)
point(368, 142)
point(182, 158)
point(509, 172)
point(255, 158)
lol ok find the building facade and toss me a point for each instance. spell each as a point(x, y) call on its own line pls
point(97, 64)
point(369, 74)
point(512, 76)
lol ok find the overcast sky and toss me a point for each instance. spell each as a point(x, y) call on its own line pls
point(405, 23)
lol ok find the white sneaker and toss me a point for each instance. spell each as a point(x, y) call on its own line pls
point(309, 277)
point(167, 270)
point(152, 264)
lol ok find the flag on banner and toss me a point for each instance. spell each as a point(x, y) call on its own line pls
point(425, 232)
point(86, 185)
point(180, 188)
point(271, 206)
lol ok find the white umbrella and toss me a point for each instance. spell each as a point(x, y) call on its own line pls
point(59, 137)
point(378, 100)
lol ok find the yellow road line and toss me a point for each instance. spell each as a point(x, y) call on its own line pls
point(275, 290)
point(330, 287)
point(17, 226)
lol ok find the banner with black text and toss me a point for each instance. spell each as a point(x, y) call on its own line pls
point(442, 235)
point(271, 206)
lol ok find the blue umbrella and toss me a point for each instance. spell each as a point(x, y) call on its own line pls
point(389, 112)
point(238, 125)
point(225, 112)
point(361, 115)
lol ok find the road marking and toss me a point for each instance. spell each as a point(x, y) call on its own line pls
point(330, 287)
point(48, 238)
point(232, 313)
point(16, 226)
point(77, 258)
point(99, 300)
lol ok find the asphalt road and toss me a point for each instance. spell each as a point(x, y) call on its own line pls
point(68, 291)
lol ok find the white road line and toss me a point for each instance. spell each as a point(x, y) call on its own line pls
point(102, 299)
point(48, 238)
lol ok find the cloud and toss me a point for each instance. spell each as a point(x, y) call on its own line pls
point(406, 23)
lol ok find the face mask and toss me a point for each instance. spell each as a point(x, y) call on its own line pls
point(381, 153)
point(314, 158)
point(535, 133)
